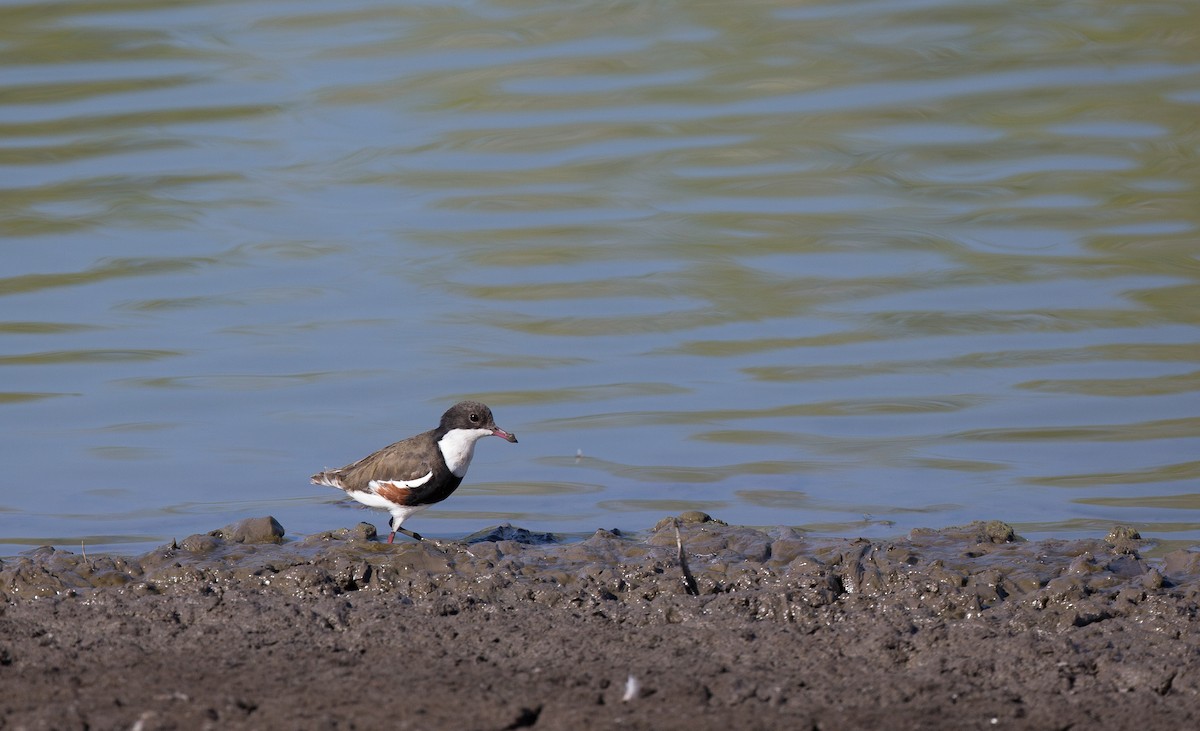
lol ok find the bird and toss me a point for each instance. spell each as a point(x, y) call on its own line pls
point(410, 475)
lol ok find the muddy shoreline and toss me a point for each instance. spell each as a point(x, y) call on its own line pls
point(966, 627)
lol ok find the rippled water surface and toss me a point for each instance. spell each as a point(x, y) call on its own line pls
point(855, 267)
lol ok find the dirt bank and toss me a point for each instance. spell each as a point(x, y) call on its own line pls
point(957, 628)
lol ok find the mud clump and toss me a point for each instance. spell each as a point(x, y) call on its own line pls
point(968, 627)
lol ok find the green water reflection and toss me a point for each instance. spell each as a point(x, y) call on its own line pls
point(850, 266)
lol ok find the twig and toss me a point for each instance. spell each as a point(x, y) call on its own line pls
point(689, 581)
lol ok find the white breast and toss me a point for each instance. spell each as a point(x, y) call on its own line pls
point(458, 447)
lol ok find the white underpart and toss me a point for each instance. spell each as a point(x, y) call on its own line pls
point(400, 513)
point(458, 447)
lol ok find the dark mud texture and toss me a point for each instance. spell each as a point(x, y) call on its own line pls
point(960, 628)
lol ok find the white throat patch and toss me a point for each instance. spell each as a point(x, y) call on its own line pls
point(458, 447)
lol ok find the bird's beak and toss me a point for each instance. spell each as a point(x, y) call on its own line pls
point(498, 432)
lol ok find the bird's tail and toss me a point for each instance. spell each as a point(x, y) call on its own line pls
point(330, 478)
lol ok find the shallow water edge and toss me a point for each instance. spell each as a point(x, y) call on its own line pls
point(953, 572)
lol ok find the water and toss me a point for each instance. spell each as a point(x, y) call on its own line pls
point(855, 267)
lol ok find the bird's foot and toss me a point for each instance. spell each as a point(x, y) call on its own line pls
point(411, 534)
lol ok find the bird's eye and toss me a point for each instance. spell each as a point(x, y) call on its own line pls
point(474, 417)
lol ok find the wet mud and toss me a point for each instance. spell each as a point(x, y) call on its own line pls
point(962, 628)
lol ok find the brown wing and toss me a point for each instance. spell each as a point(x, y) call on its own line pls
point(403, 461)
point(400, 462)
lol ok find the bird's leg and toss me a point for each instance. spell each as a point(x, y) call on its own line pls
point(397, 529)
point(409, 533)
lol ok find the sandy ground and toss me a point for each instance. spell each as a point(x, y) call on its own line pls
point(959, 628)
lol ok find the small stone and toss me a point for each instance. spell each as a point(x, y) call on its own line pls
point(687, 517)
point(1123, 539)
point(1122, 533)
point(200, 543)
point(997, 531)
point(1152, 580)
point(508, 532)
point(252, 530)
point(364, 532)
